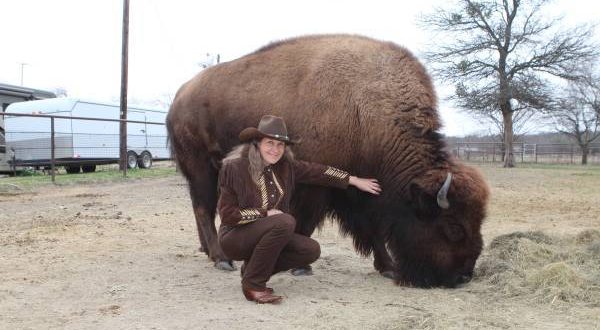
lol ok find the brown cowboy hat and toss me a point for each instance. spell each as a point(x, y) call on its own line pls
point(269, 126)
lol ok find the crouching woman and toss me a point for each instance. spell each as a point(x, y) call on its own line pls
point(255, 189)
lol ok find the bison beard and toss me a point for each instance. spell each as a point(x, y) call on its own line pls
point(361, 105)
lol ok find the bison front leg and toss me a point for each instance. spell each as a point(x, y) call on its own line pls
point(309, 207)
point(382, 260)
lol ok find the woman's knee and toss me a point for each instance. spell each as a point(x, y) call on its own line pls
point(314, 251)
point(286, 222)
point(231, 249)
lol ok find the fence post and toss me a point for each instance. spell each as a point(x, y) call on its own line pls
point(52, 148)
point(493, 152)
point(535, 152)
point(523, 152)
point(572, 150)
point(468, 151)
point(14, 160)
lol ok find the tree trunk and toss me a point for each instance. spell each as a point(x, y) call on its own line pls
point(509, 160)
point(584, 155)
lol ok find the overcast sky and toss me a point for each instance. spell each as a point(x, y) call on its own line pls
point(76, 44)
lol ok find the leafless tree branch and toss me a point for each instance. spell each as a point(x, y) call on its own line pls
point(498, 53)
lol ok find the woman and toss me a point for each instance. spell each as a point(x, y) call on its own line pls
point(255, 188)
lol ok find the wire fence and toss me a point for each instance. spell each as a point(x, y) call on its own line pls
point(31, 148)
point(73, 144)
point(548, 153)
point(63, 144)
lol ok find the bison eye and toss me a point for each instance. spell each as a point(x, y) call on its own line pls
point(454, 232)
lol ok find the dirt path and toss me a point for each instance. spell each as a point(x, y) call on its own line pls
point(124, 256)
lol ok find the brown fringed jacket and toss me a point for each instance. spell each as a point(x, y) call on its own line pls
point(242, 201)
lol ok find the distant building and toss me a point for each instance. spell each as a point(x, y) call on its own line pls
point(11, 94)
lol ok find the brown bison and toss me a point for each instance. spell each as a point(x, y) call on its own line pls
point(358, 104)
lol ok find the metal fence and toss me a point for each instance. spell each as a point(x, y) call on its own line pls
point(550, 153)
point(49, 142)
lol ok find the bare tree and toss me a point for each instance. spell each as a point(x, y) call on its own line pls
point(577, 114)
point(501, 53)
point(524, 122)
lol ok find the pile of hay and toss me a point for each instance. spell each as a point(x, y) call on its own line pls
point(548, 268)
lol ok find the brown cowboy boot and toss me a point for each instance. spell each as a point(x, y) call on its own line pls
point(270, 290)
point(261, 297)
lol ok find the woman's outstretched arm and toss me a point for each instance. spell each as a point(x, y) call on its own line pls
point(314, 173)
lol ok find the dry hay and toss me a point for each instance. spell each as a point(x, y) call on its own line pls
point(549, 269)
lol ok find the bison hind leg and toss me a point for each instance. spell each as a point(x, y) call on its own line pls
point(201, 174)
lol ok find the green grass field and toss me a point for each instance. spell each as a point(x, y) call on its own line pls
point(29, 180)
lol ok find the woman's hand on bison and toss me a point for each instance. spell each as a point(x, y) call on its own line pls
point(368, 185)
point(273, 212)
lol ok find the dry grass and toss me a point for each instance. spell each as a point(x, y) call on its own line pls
point(549, 269)
point(123, 254)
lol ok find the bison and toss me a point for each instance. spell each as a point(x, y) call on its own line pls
point(361, 105)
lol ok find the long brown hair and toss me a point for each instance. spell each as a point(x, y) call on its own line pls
point(256, 166)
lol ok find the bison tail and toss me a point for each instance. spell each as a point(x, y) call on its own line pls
point(170, 140)
point(192, 148)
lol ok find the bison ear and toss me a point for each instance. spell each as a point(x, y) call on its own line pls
point(424, 202)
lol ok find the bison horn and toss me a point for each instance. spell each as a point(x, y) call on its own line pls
point(442, 196)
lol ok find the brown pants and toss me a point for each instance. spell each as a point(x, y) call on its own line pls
point(268, 246)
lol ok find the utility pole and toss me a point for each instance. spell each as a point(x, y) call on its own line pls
point(123, 103)
point(22, 66)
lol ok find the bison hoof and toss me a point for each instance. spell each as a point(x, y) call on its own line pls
point(225, 265)
point(388, 274)
point(302, 271)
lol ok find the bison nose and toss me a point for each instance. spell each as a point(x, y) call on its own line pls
point(464, 279)
point(461, 279)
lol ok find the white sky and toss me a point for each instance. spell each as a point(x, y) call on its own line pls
point(76, 44)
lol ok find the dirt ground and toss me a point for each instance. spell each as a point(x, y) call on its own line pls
point(124, 256)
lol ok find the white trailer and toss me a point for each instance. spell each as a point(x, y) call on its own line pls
point(83, 144)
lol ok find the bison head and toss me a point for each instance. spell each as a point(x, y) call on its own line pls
point(439, 241)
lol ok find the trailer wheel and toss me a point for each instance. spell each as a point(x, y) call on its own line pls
point(88, 168)
point(145, 160)
point(131, 159)
point(73, 169)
